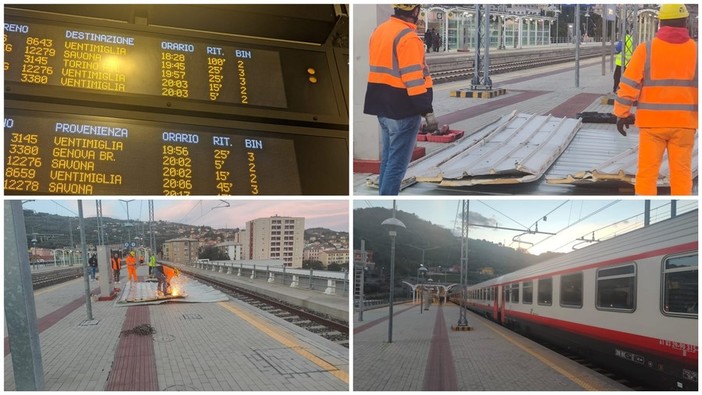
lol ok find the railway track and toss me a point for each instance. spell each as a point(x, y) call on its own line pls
point(324, 326)
point(465, 73)
point(46, 279)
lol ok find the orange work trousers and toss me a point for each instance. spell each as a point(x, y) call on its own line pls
point(131, 271)
point(653, 142)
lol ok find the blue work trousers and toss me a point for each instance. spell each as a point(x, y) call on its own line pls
point(162, 283)
point(92, 272)
point(399, 136)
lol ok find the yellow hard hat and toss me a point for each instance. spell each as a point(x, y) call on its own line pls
point(132, 253)
point(673, 11)
point(405, 7)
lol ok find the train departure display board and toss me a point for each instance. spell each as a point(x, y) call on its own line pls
point(51, 153)
point(125, 62)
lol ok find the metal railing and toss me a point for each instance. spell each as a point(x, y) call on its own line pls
point(333, 283)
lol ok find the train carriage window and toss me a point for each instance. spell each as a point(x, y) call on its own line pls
point(528, 292)
point(545, 291)
point(514, 293)
point(616, 288)
point(572, 290)
point(680, 286)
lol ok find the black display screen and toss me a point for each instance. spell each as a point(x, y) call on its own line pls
point(107, 60)
point(70, 154)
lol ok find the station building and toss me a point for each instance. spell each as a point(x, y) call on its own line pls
point(275, 237)
point(532, 25)
point(182, 250)
point(328, 257)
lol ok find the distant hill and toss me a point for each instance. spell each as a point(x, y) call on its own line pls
point(423, 235)
point(54, 231)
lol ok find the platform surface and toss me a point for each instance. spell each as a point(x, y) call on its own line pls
point(426, 355)
point(217, 346)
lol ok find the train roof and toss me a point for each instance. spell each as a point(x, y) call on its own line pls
point(679, 231)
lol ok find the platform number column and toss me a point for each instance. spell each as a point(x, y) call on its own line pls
point(253, 146)
point(241, 57)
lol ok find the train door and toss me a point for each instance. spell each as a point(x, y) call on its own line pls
point(496, 304)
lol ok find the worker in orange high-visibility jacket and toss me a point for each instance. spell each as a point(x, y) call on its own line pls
point(131, 266)
point(116, 266)
point(662, 77)
point(399, 92)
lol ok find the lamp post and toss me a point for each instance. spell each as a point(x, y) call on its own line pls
point(424, 250)
point(421, 271)
point(558, 16)
point(392, 225)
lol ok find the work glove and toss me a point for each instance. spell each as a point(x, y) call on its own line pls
point(623, 124)
point(432, 124)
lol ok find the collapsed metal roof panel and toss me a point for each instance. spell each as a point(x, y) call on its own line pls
point(518, 148)
point(619, 167)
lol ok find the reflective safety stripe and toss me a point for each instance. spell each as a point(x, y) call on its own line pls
point(630, 82)
point(624, 101)
point(688, 83)
point(385, 70)
point(396, 71)
point(667, 107)
point(409, 69)
point(413, 83)
point(647, 63)
point(395, 60)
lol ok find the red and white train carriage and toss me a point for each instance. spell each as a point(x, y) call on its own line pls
point(630, 302)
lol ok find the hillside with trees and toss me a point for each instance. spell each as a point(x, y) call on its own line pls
point(423, 235)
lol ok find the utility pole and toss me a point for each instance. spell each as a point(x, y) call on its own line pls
point(462, 323)
point(129, 224)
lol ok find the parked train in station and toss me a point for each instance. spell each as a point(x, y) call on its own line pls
point(629, 303)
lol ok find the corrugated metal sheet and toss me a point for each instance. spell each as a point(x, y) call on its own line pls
point(591, 148)
point(518, 148)
point(618, 166)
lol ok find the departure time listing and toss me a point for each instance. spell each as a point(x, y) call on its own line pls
point(39, 54)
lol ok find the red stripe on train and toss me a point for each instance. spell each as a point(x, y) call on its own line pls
point(670, 349)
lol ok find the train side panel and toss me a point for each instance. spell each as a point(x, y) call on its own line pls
point(619, 302)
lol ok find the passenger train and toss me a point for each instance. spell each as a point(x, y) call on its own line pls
point(628, 303)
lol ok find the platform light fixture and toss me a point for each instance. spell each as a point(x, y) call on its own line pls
point(392, 225)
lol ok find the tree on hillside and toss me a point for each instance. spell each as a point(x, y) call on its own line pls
point(315, 265)
point(213, 253)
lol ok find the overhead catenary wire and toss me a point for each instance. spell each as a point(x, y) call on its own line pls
point(574, 223)
point(65, 208)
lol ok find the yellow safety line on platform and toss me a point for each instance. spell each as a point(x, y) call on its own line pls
point(585, 385)
point(287, 341)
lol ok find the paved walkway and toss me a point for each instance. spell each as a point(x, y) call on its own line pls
point(223, 346)
point(426, 355)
